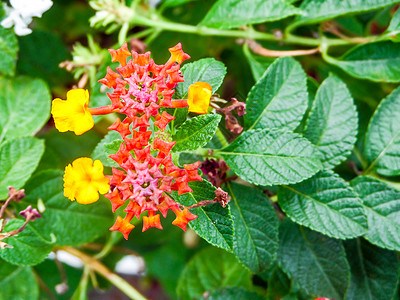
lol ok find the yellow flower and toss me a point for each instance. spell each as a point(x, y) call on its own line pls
point(199, 97)
point(84, 180)
point(73, 114)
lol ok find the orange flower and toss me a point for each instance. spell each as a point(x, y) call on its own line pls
point(73, 114)
point(199, 97)
point(84, 180)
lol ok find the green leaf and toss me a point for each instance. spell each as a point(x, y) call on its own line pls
point(207, 70)
point(18, 159)
point(24, 106)
point(332, 123)
point(17, 282)
point(211, 269)
point(279, 98)
point(258, 64)
point(374, 61)
point(72, 223)
point(233, 293)
point(317, 263)
point(395, 22)
point(214, 223)
point(382, 140)
point(315, 11)
point(271, 157)
point(382, 206)
point(235, 13)
point(104, 149)
point(196, 132)
point(8, 50)
point(30, 247)
point(374, 271)
point(325, 203)
point(256, 224)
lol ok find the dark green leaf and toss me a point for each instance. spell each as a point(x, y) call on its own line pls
point(332, 123)
point(279, 98)
point(233, 293)
point(214, 223)
point(325, 203)
point(104, 149)
point(315, 11)
point(30, 246)
point(235, 13)
point(258, 64)
point(196, 132)
point(18, 159)
point(316, 262)
point(374, 271)
point(382, 140)
point(255, 241)
point(207, 70)
point(271, 157)
point(72, 223)
point(382, 206)
point(17, 282)
point(8, 50)
point(24, 106)
point(374, 61)
point(211, 269)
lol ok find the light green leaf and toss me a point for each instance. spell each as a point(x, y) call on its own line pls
point(72, 223)
point(211, 269)
point(17, 282)
point(233, 293)
point(18, 159)
point(325, 203)
point(395, 22)
point(30, 246)
point(24, 106)
point(235, 13)
point(317, 263)
point(207, 70)
point(374, 271)
point(315, 11)
point(332, 123)
point(382, 140)
point(256, 224)
point(272, 157)
point(258, 64)
point(103, 149)
point(213, 223)
point(382, 206)
point(279, 98)
point(196, 132)
point(374, 61)
point(8, 50)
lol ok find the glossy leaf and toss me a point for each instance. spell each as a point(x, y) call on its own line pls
point(30, 247)
point(332, 123)
point(235, 13)
point(271, 157)
point(9, 50)
point(71, 223)
point(211, 269)
point(395, 22)
point(196, 132)
point(233, 293)
point(374, 271)
point(214, 223)
point(279, 98)
point(382, 140)
point(24, 106)
point(104, 149)
point(317, 263)
point(18, 159)
point(382, 207)
point(256, 225)
point(374, 61)
point(207, 70)
point(325, 203)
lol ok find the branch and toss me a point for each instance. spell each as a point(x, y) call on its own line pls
point(260, 50)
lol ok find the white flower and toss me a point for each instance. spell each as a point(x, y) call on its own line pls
point(21, 13)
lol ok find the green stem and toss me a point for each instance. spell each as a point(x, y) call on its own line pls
point(221, 138)
point(362, 161)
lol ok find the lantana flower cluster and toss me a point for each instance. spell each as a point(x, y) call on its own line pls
point(146, 173)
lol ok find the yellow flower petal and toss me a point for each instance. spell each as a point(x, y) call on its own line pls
point(84, 180)
point(73, 114)
point(199, 97)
